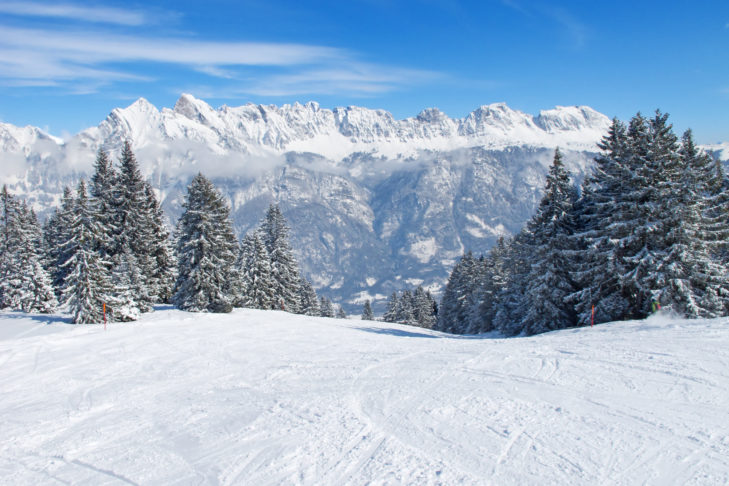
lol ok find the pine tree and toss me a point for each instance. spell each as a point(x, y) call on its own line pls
point(391, 312)
point(206, 249)
point(56, 232)
point(309, 302)
point(367, 314)
point(648, 228)
point(284, 268)
point(87, 285)
point(423, 308)
point(510, 308)
point(24, 283)
point(548, 282)
point(102, 189)
point(406, 308)
point(492, 283)
point(160, 271)
point(326, 307)
point(254, 268)
point(127, 285)
point(460, 295)
point(341, 314)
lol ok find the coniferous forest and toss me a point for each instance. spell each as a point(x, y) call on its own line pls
point(647, 230)
point(105, 253)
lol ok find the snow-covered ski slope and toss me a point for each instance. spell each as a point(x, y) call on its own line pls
point(260, 398)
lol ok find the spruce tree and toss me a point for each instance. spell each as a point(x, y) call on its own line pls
point(102, 189)
point(510, 308)
point(206, 251)
point(284, 268)
point(24, 282)
point(548, 282)
point(56, 232)
point(309, 302)
point(367, 314)
point(326, 307)
point(423, 308)
point(254, 269)
point(87, 285)
point(391, 311)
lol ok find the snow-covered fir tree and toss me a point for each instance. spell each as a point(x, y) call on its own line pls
point(493, 282)
point(367, 314)
point(391, 309)
point(56, 232)
point(284, 268)
point(417, 308)
point(255, 290)
point(102, 189)
point(326, 307)
point(160, 275)
point(24, 282)
point(548, 282)
point(341, 314)
point(87, 285)
point(206, 251)
point(308, 300)
point(424, 307)
point(460, 295)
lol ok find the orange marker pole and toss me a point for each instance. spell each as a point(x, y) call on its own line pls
point(104, 307)
point(592, 318)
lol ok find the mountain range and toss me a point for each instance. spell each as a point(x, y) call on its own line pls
point(375, 204)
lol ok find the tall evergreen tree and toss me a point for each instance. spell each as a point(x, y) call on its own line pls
point(87, 286)
point(423, 308)
point(102, 189)
point(326, 307)
point(254, 270)
point(392, 309)
point(548, 282)
point(56, 233)
point(367, 314)
point(160, 271)
point(460, 295)
point(309, 302)
point(24, 282)
point(206, 251)
point(284, 268)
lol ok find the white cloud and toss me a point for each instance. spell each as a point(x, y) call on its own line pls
point(85, 60)
point(347, 78)
point(90, 47)
point(75, 12)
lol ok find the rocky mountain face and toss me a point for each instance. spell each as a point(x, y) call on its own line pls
point(375, 204)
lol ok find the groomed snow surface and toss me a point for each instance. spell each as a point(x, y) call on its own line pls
point(260, 398)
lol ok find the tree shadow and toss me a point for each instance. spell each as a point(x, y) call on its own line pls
point(396, 332)
point(47, 319)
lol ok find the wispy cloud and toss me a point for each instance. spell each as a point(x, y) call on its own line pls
point(68, 11)
point(33, 57)
point(350, 78)
point(83, 60)
point(576, 30)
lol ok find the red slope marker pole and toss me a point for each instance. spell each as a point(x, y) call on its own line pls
point(104, 307)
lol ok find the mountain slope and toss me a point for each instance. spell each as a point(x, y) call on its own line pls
point(270, 398)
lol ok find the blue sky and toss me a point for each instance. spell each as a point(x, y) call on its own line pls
point(64, 66)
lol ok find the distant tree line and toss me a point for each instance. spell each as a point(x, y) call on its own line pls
point(648, 230)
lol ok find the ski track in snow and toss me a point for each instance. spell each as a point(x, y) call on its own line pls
point(270, 398)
